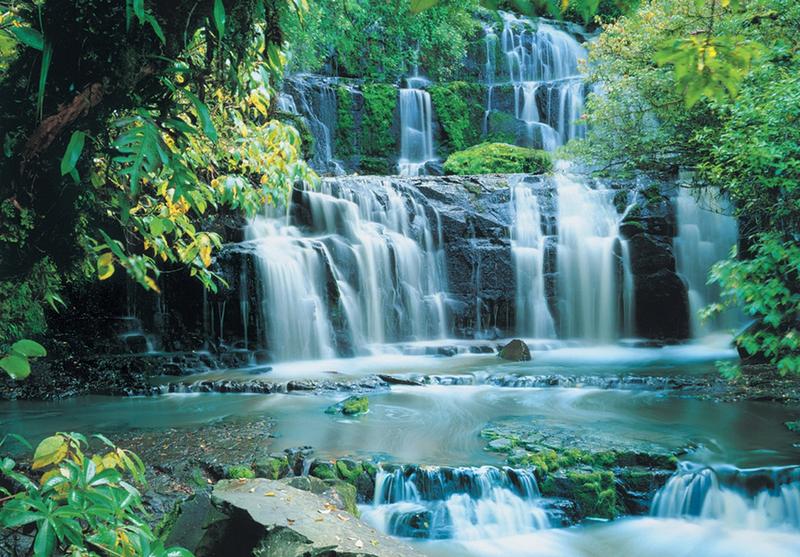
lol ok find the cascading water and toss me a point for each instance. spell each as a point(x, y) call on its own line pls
point(706, 234)
point(528, 248)
point(542, 64)
point(416, 127)
point(367, 268)
point(456, 503)
point(754, 498)
point(589, 261)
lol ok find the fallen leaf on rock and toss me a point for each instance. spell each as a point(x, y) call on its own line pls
point(290, 521)
point(342, 518)
point(269, 494)
point(359, 544)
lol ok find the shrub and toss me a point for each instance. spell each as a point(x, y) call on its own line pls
point(80, 504)
point(498, 158)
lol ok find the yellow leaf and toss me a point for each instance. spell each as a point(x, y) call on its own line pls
point(50, 451)
point(105, 265)
point(151, 284)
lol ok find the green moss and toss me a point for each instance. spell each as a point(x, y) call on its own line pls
point(594, 493)
point(347, 493)
point(380, 103)
point(274, 467)
point(345, 123)
point(324, 471)
point(379, 166)
point(349, 470)
point(500, 158)
point(793, 426)
point(240, 472)
point(355, 405)
point(501, 128)
point(459, 109)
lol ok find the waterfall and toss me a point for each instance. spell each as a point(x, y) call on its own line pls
point(755, 498)
point(542, 64)
point(588, 261)
point(706, 234)
point(456, 503)
point(365, 266)
point(416, 127)
point(527, 248)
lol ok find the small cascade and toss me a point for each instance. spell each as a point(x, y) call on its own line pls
point(364, 267)
point(416, 127)
point(315, 100)
point(590, 258)
point(706, 234)
point(753, 498)
point(542, 64)
point(489, 70)
point(527, 248)
point(456, 503)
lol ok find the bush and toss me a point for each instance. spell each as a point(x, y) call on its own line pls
point(79, 504)
point(498, 158)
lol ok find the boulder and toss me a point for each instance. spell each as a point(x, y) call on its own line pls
point(351, 406)
point(515, 351)
point(292, 523)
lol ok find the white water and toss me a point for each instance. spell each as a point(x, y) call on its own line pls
point(416, 128)
point(369, 265)
point(542, 62)
point(706, 234)
point(528, 248)
point(456, 503)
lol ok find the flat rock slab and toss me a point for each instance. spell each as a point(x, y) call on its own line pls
point(315, 527)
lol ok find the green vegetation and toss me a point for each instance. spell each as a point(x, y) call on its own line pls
point(345, 139)
point(16, 363)
point(273, 468)
point(459, 109)
point(732, 120)
point(379, 40)
point(594, 493)
point(123, 127)
point(80, 503)
point(380, 102)
point(240, 472)
point(501, 158)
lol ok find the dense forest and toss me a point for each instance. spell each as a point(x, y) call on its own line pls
point(222, 196)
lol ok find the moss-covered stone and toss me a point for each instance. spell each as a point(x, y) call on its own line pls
point(380, 103)
point(380, 166)
point(459, 108)
point(594, 493)
point(349, 470)
point(351, 406)
point(501, 128)
point(240, 471)
point(500, 158)
point(323, 470)
point(273, 468)
point(347, 495)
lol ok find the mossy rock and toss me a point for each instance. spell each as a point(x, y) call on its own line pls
point(348, 470)
point(239, 472)
point(498, 158)
point(594, 493)
point(347, 496)
point(459, 107)
point(351, 406)
point(380, 104)
point(379, 166)
point(323, 470)
point(273, 468)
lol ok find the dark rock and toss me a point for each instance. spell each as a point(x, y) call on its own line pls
point(515, 351)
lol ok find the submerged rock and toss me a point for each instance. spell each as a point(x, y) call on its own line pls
point(516, 351)
point(351, 406)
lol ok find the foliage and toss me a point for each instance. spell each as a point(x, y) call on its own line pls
point(459, 109)
point(240, 472)
point(23, 303)
point(380, 102)
point(16, 363)
point(381, 40)
point(498, 158)
point(344, 122)
point(146, 120)
point(80, 504)
point(767, 286)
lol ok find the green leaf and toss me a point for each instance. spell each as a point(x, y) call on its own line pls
point(29, 37)
point(47, 55)
point(18, 367)
point(29, 348)
point(156, 28)
point(73, 152)
point(422, 5)
point(204, 115)
point(45, 542)
point(51, 450)
point(219, 17)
